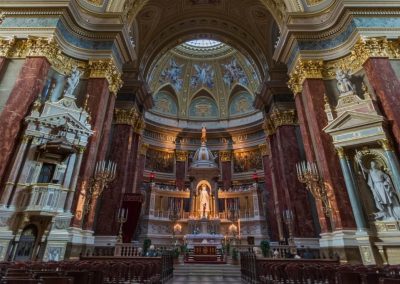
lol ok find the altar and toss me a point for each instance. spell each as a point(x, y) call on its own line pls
point(204, 248)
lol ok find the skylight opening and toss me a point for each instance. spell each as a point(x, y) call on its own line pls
point(203, 43)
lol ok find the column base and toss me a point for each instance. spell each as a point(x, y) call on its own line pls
point(341, 244)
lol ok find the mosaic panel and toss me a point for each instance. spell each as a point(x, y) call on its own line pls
point(241, 103)
point(203, 108)
point(165, 103)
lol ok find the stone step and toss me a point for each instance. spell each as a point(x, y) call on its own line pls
point(217, 270)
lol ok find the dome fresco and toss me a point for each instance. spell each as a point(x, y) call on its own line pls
point(204, 79)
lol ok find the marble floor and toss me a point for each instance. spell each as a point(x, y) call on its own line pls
point(204, 279)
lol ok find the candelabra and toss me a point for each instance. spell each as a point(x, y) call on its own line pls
point(121, 219)
point(307, 173)
point(288, 219)
point(104, 174)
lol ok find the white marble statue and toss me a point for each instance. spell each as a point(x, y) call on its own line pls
point(204, 201)
point(385, 196)
point(72, 81)
point(344, 84)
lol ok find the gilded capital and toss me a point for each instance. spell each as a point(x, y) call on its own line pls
point(181, 156)
point(126, 116)
point(268, 127)
point(304, 69)
point(105, 68)
point(264, 149)
point(386, 144)
point(143, 149)
point(6, 45)
point(225, 156)
point(341, 153)
point(283, 117)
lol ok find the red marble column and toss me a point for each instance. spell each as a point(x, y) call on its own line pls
point(180, 170)
point(387, 87)
point(271, 214)
point(294, 192)
point(121, 149)
point(226, 170)
point(27, 87)
point(97, 88)
point(310, 155)
point(105, 133)
point(327, 160)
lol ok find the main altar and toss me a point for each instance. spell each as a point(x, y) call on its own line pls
point(203, 217)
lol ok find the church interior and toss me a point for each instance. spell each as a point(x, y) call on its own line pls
point(199, 141)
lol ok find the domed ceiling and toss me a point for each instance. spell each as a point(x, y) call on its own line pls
point(204, 80)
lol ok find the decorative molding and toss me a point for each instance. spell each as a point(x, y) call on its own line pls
point(225, 156)
point(181, 156)
point(363, 49)
point(268, 127)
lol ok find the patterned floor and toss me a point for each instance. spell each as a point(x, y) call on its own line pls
point(204, 279)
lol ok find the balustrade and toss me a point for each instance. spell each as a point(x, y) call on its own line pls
point(48, 198)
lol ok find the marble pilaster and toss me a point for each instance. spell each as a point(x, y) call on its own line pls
point(3, 65)
point(28, 86)
point(141, 159)
point(386, 85)
point(295, 194)
point(98, 91)
point(226, 168)
point(15, 170)
point(326, 158)
point(180, 168)
point(271, 213)
point(121, 153)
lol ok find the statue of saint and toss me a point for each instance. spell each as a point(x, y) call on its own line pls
point(203, 135)
point(72, 81)
point(344, 84)
point(204, 200)
point(385, 196)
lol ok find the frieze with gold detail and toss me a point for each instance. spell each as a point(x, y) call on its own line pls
point(247, 160)
point(160, 161)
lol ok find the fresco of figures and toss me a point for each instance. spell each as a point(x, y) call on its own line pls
point(234, 73)
point(160, 161)
point(173, 74)
point(204, 76)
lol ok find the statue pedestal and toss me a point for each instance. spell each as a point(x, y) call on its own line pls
point(204, 226)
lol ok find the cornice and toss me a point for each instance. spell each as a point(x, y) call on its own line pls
point(336, 22)
point(363, 49)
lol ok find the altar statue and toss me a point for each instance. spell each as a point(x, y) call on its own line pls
point(203, 135)
point(204, 200)
point(344, 84)
point(385, 196)
point(72, 81)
